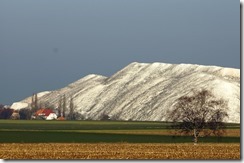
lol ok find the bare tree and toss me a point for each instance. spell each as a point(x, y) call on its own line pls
point(200, 113)
point(64, 105)
point(71, 115)
point(59, 107)
point(34, 103)
point(71, 105)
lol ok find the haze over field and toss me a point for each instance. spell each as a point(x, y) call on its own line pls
point(145, 91)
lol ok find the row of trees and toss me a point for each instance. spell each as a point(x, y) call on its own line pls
point(62, 109)
point(27, 113)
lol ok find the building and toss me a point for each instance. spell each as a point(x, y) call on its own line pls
point(46, 114)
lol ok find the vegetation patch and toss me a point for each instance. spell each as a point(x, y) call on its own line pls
point(33, 131)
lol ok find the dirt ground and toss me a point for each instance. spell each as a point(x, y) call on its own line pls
point(117, 151)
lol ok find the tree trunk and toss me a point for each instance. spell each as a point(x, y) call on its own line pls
point(195, 137)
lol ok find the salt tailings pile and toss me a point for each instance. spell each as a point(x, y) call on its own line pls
point(144, 92)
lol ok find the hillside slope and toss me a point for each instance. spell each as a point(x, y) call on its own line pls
point(143, 91)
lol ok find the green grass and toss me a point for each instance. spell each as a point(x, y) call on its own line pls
point(32, 131)
point(79, 125)
point(75, 137)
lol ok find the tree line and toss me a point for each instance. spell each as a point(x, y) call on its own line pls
point(67, 112)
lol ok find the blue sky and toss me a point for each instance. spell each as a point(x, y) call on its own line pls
point(45, 45)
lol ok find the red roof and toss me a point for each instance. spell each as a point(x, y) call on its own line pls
point(43, 112)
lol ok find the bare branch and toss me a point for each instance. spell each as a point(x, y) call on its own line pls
point(199, 113)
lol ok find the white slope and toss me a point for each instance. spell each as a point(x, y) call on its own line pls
point(19, 105)
point(25, 103)
point(144, 92)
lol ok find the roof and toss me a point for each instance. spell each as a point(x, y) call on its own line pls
point(43, 112)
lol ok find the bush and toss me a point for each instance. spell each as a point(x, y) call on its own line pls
point(75, 116)
point(104, 117)
point(6, 113)
point(25, 113)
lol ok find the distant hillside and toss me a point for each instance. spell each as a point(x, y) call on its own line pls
point(144, 92)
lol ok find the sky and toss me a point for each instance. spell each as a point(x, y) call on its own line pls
point(47, 44)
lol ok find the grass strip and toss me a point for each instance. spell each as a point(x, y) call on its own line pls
point(75, 137)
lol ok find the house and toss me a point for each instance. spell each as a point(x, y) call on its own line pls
point(46, 114)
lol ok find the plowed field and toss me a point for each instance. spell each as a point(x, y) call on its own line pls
point(119, 151)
